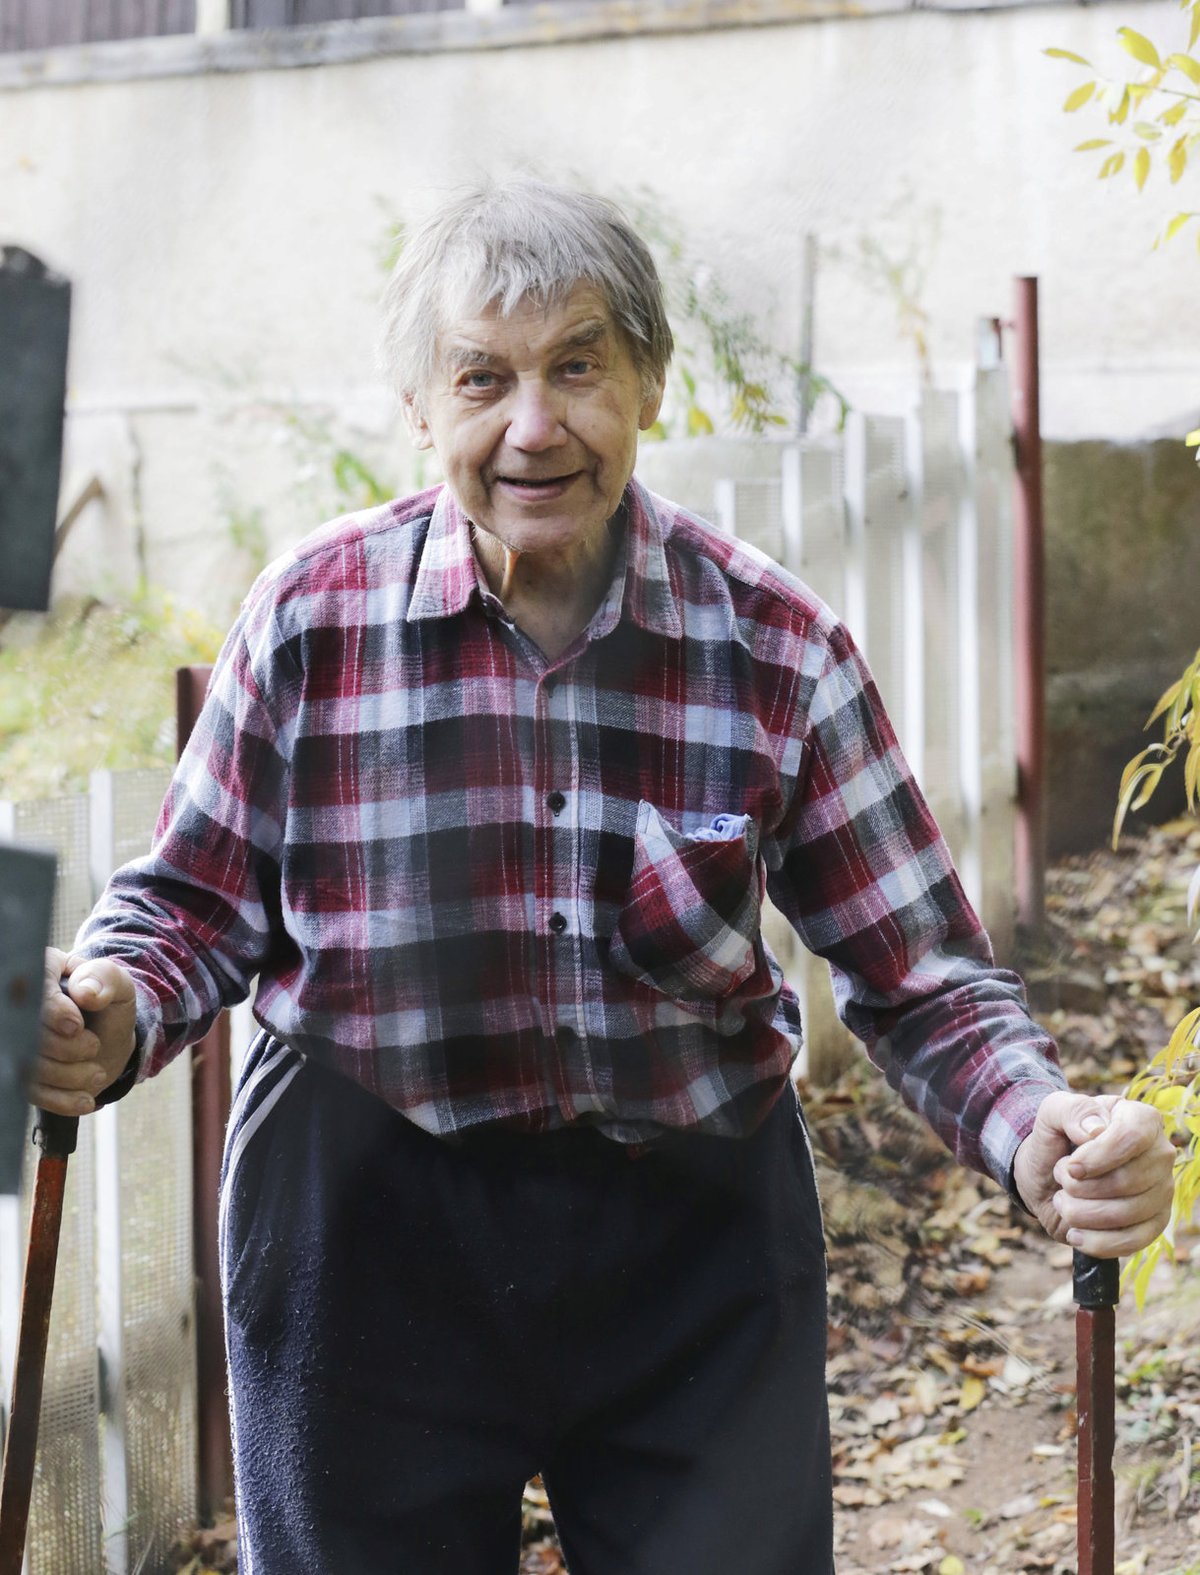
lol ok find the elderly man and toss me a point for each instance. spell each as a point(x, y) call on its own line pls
point(487, 791)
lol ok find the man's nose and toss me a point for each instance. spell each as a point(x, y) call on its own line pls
point(536, 419)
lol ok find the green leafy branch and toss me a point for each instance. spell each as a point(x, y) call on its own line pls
point(1179, 708)
point(718, 347)
point(1170, 134)
point(1171, 1083)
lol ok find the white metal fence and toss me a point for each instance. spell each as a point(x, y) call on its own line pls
point(116, 1476)
point(903, 526)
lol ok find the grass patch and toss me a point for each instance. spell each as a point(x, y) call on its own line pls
point(91, 685)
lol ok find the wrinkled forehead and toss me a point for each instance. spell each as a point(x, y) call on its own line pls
point(466, 303)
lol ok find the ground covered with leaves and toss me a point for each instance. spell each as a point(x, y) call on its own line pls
point(951, 1336)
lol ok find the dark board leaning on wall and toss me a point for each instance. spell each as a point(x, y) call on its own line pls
point(46, 24)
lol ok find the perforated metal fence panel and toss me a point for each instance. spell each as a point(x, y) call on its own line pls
point(144, 1171)
point(753, 511)
point(814, 519)
point(116, 1478)
point(943, 499)
point(145, 1246)
point(880, 524)
point(986, 440)
point(64, 1524)
point(687, 470)
point(904, 528)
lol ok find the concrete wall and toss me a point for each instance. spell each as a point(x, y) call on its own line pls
point(224, 229)
point(1123, 594)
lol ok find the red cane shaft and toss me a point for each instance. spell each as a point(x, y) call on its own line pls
point(1095, 1352)
point(20, 1453)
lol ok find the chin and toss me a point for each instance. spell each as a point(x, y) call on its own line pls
point(523, 534)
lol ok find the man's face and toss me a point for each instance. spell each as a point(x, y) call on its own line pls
point(535, 419)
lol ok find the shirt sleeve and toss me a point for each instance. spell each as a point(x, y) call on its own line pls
point(866, 879)
point(195, 920)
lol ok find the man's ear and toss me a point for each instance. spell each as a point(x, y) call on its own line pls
point(651, 405)
point(414, 419)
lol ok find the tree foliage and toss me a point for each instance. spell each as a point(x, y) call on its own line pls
point(1154, 114)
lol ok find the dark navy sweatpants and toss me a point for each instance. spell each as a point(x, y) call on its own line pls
point(416, 1327)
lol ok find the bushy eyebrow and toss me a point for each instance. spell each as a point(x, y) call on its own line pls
point(459, 357)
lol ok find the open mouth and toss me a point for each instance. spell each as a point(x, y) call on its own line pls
point(537, 487)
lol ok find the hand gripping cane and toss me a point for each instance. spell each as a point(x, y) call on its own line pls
point(1097, 1291)
point(56, 1137)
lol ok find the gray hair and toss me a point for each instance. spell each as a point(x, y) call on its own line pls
point(506, 242)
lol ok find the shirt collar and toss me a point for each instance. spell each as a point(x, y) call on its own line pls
point(449, 573)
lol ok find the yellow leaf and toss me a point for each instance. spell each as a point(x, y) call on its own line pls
point(1078, 97)
point(1139, 47)
point(972, 1392)
point(1193, 438)
point(1093, 142)
point(1186, 64)
point(1122, 110)
point(1111, 165)
point(1147, 130)
point(1151, 779)
point(1066, 54)
point(1141, 167)
point(1194, 33)
point(1191, 776)
point(952, 1565)
point(1169, 696)
point(1172, 116)
point(698, 421)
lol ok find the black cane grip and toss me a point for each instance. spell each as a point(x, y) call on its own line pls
point(1097, 1281)
point(56, 1136)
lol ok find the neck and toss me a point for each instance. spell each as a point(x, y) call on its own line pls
point(551, 597)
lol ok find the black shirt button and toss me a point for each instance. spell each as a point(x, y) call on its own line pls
point(557, 923)
point(565, 1034)
point(557, 801)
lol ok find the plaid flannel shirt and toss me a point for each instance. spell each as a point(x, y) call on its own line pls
point(496, 888)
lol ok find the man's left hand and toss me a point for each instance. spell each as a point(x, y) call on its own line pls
point(1097, 1172)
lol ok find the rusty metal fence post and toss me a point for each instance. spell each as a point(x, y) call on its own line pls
point(210, 1111)
point(1029, 595)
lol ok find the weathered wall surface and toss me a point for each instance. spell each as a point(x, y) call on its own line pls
point(224, 231)
point(1123, 596)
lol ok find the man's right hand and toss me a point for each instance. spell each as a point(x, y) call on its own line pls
point(87, 1033)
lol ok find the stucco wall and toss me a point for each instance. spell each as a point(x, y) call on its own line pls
point(224, 232)
point(1123, 592)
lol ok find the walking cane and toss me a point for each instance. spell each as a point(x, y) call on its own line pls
point(56, 1137)
point(1097, 1291)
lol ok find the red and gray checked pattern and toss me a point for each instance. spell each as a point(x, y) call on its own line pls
point(495, 888)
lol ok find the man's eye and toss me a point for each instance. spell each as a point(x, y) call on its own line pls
point(479, 379)
point(578, 367)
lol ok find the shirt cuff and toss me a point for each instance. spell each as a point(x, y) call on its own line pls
point(1009, 1123)
point(146, 1032)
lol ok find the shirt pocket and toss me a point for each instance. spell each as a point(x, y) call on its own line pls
point(690, 923)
